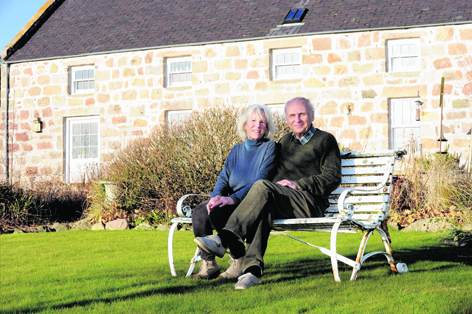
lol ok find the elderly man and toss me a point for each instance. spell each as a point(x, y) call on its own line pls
point(309, 169)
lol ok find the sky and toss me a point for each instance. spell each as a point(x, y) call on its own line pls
point(14, 14)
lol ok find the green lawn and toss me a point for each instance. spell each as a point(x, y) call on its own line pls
point(128, 272)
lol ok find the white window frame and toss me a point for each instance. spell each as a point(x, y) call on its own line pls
point(402, 123)
point(77, 169)
point(401, 52)
point(175, 116)
point(75, 81)
point(183, 72)
point(284, 65)
point(277, 108)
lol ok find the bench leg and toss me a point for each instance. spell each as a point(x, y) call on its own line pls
point(194, 262)
point(361, 258)
point(334, 259)
point(170, 247)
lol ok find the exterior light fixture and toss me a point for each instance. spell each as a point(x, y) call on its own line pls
point(418, 110)
point(37, 125)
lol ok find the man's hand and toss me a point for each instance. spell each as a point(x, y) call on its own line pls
point(289, 184)
point(219, 201)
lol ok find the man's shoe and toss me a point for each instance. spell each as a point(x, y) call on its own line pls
point(235, 269)
point(208, 270)
point(246, 281)
point(211, 244)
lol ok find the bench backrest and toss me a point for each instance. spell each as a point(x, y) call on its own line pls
point(366, 170)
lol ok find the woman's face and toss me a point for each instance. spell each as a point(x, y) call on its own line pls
point(255, 127)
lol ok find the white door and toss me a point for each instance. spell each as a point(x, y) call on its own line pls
point(404, 129)
point(82, 149)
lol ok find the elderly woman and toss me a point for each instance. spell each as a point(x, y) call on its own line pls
point(252, 160)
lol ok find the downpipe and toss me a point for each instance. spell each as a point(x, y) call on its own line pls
point(7, 135)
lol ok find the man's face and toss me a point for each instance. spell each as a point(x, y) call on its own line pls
point(298, 117)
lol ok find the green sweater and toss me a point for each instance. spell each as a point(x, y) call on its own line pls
point(315, 166)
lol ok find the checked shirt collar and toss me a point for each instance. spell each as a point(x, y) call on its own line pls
point(307, 136)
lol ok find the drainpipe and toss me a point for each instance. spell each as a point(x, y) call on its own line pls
point(7, 92)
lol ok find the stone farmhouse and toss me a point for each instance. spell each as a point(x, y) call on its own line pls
point(85, 77)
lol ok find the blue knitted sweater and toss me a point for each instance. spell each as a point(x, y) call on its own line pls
point(246, 163)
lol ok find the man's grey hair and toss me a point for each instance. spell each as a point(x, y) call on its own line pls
point(311, 109)
point(263, 113)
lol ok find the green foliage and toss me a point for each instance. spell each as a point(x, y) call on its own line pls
point(48, 202)
point(152, 173)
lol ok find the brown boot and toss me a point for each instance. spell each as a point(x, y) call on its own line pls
point(208, 270)
point(235, 270)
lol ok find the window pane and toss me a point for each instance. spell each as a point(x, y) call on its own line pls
point(76, 141)
point(189, 77)
point(280, 58)
point(93, 152)
point(395, 51)
point(94, 140)
point(405, 50)
point(291, 14)
point(296, 69)
point(174, 66)
point(85, 128)
point(91, 74)
point(289, 69)
point(280, 71)
point(76, 153)
point(288, 58)
point(299, 14)
point(188, 65)
point(78, 75)
point(94, 128)
point(80, 85)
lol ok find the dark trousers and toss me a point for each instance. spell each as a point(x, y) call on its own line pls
point(203, 224)
point(251, 221)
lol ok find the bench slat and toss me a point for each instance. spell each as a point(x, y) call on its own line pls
point(379, 170)
point(362, 180)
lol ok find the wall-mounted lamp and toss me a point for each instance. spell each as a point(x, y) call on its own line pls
point(37, 125)
point(418, 110)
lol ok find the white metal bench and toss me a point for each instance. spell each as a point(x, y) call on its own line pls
point(360, 203)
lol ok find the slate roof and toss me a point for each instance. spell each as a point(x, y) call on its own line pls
point(92, 26)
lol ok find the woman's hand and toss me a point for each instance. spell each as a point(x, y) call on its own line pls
point(219, 201)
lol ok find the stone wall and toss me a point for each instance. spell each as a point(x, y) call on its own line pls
point(343, 74)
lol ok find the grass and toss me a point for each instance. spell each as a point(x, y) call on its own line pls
point(128, 272)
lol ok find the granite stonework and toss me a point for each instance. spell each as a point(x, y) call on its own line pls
point(343, 74)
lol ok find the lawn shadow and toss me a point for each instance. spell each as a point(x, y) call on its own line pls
point(175, 290)
point(321, 264)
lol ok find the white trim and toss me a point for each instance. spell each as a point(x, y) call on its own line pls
point(88, 70)
point(184, 75)
point(288, 68)
point(402, 123)
point(401, 53)
point(84, 161)
point(174, 116)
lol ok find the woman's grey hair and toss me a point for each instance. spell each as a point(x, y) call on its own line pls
point(263, 113)
point(311, 109)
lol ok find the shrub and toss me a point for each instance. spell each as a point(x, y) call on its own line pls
point(47, 202)
point(431, 185)
point(152, 173)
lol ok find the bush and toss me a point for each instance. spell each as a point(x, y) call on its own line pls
point(47, 202)
point(432, 185)
point(152, 173)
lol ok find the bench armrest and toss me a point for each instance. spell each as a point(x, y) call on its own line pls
point(186, 211)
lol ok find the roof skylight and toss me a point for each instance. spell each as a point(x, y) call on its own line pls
point(295, 16)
